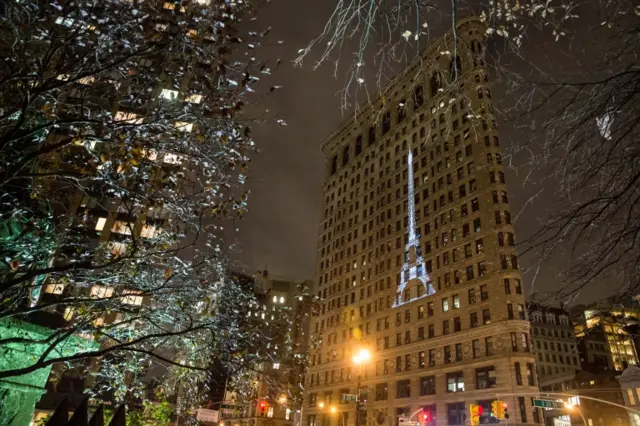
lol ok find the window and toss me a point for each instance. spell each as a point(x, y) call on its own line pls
point(445, 305)
point(518, 373)
point(455, 382)
point(531, 374)
point(518, 286)
point(486, 316)
point(100, 223)
point(445, 327)
point(523, 409)
point(507, 286)
point(382, 392)
point(421, 359)
point(472, 296)
point(473, 319)
point(457, 326)
point(427, 385)
point(403, 389)
point(509, 311)
point(456, 413)
point(485, 378)
point(431, 331)
point(386, 122)
point(456, 301)
point(432, 357)
point(458, 352)
point(447, 354)
point(488, 343)
point(521, 313)
point(469, 272)
point(475, 345)
point(484, 292)
point(169, 94)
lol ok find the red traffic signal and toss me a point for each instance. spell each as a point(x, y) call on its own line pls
point(263, 404)
point(426, 416)
point(480, 410)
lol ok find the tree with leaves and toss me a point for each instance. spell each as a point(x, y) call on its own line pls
point(124, 147)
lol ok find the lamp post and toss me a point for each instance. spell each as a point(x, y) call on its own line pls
point(359, 359)
point(334, 410)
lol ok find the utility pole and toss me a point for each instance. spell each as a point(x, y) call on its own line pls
point(358, 399)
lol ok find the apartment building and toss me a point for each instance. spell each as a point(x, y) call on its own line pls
point(416, 257)
point(276, 400)
point(554, 342)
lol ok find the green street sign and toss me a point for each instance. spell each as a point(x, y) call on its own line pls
point(349, 397)
point(546, 403)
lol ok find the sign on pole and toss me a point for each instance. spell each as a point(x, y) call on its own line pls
point(546, 403)
point(205, 415)
point(349, 397)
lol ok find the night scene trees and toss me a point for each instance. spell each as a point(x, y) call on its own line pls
point(124, 148)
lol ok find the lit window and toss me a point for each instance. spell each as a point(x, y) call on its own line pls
point(117, 248)
point(54, 288)
point(169, 94)
point(192, 32)
point(150, 154)
point(132, 300)
point(161, 27)
point(149, 231)
point(101, 291)
point(287, 414)
point(87, 80)
point(275, 299)
point(270, 412)
point(205, 2)
point(121, 227)
point(100, 223)
point(281, 299)
point(169, 6)
point(68, 313)
point(172, 159)
point(127, 117)
point(184, 126)
point(276, 365)
point(63, 77)
point(67, 22)
point(194, 98)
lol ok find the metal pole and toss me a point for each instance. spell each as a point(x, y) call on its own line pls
point(358, 400)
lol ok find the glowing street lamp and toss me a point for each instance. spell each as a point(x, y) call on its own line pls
point(321, 405)
point(362, 356)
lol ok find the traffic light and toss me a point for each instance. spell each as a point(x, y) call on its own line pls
point(262, 408)
point(426, 417)
point(499, 410)
point(505, 414)
point(475, 412)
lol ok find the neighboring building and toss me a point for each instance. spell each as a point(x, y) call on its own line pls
point(601, 385)
point(416, 256)
point(554, 343)
point(277, 401)
point(630, 383)
point(604, 341)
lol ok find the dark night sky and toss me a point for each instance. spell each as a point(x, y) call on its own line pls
point(280, 230)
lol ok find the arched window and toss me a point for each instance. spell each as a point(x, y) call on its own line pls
point(455, 68)
point(334, 164)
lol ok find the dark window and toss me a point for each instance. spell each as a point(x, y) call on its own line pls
point(473, 319)
point(418, 97)
point(386, 122)
point(403, 389)
point(456, 414)
point(447, 354)
point(372, 135)
point(518, 374)
point(509, 311)
point(523, 409)
point(334, 164)
point(382, 392)
point(456, 324)
point(486, 316)
point(427, 385)
point(345, 155)
point(436, 83)
point(359, 145)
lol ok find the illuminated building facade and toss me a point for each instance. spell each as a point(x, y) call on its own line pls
point(416, 257)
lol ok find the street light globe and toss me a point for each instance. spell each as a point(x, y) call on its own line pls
point(363, 355)
point(333, 409)
point(321, 405)
point(568, 405)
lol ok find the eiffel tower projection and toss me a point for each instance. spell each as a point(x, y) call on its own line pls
point(414, 267)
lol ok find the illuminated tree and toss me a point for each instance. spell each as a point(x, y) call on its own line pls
point(123, 150)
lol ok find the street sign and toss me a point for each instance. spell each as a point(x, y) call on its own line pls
point(546, 403)
point(204, 415)
point(349, 397)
